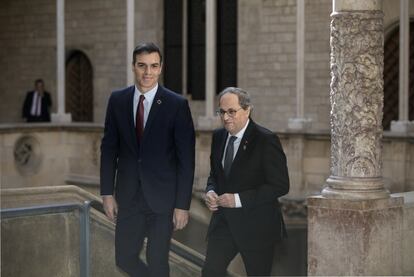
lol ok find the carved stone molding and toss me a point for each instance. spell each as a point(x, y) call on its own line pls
point(27, 155)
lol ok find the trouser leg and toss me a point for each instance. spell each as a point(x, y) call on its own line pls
point(129, 238)
point(160, 227)
point(258, 262)
point(221, 250)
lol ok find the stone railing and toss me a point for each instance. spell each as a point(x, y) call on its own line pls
point(50, 154)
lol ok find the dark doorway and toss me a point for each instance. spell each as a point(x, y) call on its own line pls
point(196, 45)
point(79, 87)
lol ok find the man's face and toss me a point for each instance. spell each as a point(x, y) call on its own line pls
point(229, 102)
point(40, 87)
point(147, 70)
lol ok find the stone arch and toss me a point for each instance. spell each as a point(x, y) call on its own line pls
point(79, 87)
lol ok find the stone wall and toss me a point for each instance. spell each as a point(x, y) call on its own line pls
point(267, 60)
point(97, 28)
point(71, 154)
point(48, 155)
point(50, 243)
point(27, 52)
point(266, 52)
point(51, 240)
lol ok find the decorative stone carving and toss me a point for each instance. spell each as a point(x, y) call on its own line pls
point(356, 101)
point(356, 93)
point(27, 155)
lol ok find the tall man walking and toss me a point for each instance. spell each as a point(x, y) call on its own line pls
point(147, 166)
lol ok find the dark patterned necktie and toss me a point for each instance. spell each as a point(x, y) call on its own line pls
point(139, 119)
point(228, 158)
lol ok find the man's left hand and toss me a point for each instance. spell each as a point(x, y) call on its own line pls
point(180, 219)
point(227, 200)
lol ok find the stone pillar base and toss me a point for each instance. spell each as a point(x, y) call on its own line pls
point(402, 126)
point(348, 237)
point(61, 117)
point(299, 123)
point(208, 122)
point(355, 188)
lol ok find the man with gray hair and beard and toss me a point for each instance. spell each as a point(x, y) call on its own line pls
point(248, 174)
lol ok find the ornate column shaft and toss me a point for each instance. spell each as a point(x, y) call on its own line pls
point(356, 100)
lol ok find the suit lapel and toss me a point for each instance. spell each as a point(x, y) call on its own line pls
point(221, 142)
point(129, 107)
point(247, 139)
point(155, 107)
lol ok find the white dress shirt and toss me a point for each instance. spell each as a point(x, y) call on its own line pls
point(149, 98)
point(36, 104)
point(237, 141)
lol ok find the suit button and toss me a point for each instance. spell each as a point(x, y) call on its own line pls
point(139, 160)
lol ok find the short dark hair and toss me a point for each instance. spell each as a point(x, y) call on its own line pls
point(146, 47)
point(37, 81)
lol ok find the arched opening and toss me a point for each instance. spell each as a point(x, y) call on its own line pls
point(79, 87)
point(391, 76)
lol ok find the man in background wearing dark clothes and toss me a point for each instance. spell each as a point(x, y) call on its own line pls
point(36, 106)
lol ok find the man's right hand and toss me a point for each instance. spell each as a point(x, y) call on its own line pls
point(211, 201)
point(110, 207)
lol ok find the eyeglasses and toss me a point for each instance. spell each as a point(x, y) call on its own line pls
point(229, 112)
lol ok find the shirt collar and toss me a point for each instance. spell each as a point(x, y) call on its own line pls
point(240, 134)
point(149, 95)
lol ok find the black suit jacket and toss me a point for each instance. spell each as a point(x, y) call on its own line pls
point(259, 174)
point(163, 163)
point(44, 112)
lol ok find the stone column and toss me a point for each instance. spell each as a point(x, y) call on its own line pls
point(355, 228)
point(60, 116)
point(209, 120)
point(300, 122)
point(404, 125)
point(356, 100)
point(130, 23)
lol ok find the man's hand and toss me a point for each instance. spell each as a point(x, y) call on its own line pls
point(180, 219)
point(211, 201)
point(110, 207)
point(227, 200)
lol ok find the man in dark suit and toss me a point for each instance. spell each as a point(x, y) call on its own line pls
point(147, 166)
point(248, 174)
point(36, 106)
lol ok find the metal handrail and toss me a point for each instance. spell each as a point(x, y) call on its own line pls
point(84, 251)
point(84, 228)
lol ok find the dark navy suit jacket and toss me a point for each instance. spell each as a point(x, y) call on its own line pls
point(44, 112)
point(162, 165)
point(259, 174)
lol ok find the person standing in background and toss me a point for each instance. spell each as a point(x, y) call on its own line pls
point(37, 104)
